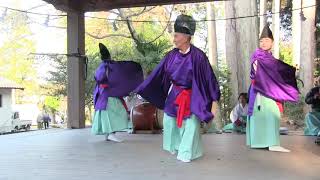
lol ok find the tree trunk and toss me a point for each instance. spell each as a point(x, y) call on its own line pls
point(262, 11)
point(132, 31)
point(231, 49)
point(53, 117)
point(212, 36)
point(246, 39)
point(276, 28)
point(296, 32)
point(308, 45)
point(213, 55)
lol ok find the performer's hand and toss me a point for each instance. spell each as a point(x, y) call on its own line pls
point(214, 108)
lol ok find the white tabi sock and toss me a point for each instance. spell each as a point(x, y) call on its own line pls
point(279, 149)
point(114, 138)
point(184, 160)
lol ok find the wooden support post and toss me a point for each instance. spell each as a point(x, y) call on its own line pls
point(76, 81)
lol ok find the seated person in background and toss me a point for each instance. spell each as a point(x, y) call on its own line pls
point(312, 120)
point(238, 115)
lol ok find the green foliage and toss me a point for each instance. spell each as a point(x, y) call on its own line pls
point(150, 49)
point(223, 74)
point(51, 104)
point(16, 62)
point(286, 53)
point(317, 68)
point(58, 76)
point(150, 54)
point(93, 62)
point(295, 112)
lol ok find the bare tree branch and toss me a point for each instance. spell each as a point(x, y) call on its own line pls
point(145, 10)
point(108, 35)
point(132, 31)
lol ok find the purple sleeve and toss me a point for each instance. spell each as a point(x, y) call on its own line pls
point(276, 80)
point(155, 88)
point(205, 88)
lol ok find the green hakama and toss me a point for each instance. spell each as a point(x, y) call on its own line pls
point(232, 127)
point(312, 124)
point(113, 119)
point(263, 126)
point(186, 141)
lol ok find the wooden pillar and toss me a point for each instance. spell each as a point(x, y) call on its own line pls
point(76, 82)
point(212, 36)
point(246, 39)
point(231, 49)
point(276, 28)
point(308, 44)
point(296, 32)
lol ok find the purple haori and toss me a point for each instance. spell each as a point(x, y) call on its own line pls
point(274, 79)
point(184, 71)
point(120, 77)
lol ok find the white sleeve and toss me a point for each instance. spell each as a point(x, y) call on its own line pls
point(234, 114)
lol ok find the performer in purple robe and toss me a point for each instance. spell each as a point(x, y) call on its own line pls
point(184, 85)
point(273, 82)
point(114, 80)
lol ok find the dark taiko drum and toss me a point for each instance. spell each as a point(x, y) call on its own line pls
point(145, 117)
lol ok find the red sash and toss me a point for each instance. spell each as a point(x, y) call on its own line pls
point(183, 101)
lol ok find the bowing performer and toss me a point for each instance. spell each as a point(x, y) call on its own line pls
point(114, 80)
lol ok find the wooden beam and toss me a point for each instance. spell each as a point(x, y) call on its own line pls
point(108, 5)
point(105, 5)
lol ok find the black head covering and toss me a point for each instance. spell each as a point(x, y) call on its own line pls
point(266, 32)
point(185, 24)
point(105, 55)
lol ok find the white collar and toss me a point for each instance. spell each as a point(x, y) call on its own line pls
point(188, 50)
point(243, 106)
